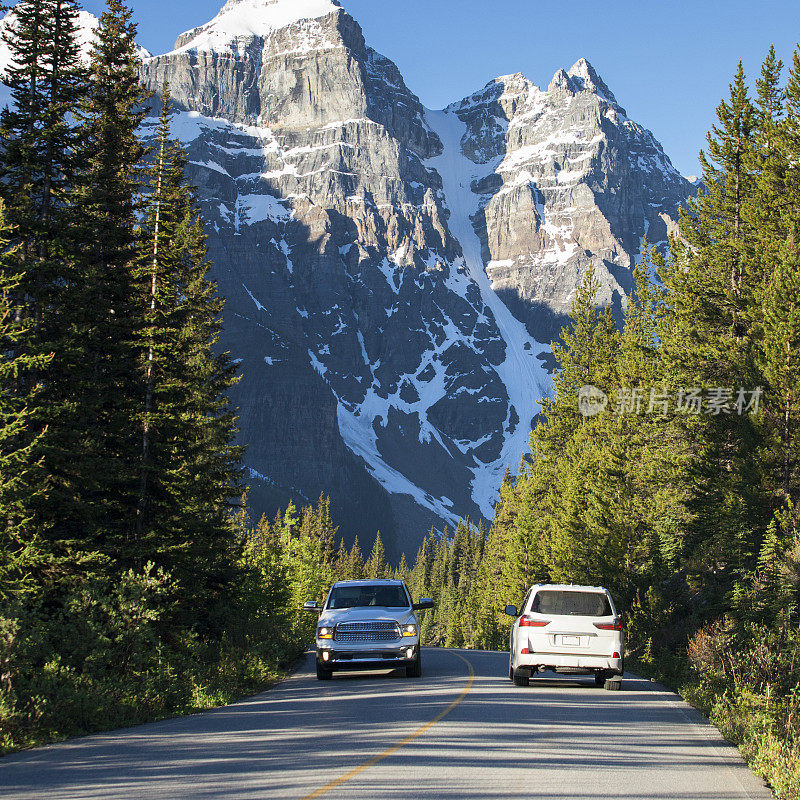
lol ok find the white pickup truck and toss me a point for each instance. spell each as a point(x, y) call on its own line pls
point(368, 625)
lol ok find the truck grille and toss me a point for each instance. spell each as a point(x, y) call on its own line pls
point(367, 632)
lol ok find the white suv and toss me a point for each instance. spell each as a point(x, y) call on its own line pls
point(568, 629)
point(368, 625)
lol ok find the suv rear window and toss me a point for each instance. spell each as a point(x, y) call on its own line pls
point(573, 604)
point(363, 596)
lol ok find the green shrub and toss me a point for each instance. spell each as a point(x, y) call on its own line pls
point(111, 653)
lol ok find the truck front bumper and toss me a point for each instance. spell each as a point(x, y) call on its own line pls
point(378, 655)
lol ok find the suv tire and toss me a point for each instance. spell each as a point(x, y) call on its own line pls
point(613, 684)
point(323, 674)
point(415, 670)
point(600, 678)
point(521, 678)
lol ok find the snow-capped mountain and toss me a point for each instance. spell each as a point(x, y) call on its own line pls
point(393, 274)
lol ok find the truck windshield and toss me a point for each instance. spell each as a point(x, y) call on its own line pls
point(573, 604)
point(358, 596)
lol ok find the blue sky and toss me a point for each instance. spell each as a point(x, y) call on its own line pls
point(668, 63)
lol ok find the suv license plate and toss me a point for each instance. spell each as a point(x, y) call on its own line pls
point(575, 641)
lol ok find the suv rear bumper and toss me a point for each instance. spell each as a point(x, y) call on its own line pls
point(554, 660)
point(376, 656)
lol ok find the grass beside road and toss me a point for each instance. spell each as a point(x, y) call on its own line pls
point(60, 702)
point(762, 726)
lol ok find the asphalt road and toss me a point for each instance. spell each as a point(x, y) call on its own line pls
point(463, 731)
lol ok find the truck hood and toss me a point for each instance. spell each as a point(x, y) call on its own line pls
point(403, 616)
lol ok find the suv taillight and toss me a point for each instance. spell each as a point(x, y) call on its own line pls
point(527, 622)
point(609, 626)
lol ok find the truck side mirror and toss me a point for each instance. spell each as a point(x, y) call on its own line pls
point(512, 611)
point(311, 605)
point(424, 603)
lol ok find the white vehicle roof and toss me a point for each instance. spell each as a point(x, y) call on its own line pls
point(369, 582)
point(570, 587)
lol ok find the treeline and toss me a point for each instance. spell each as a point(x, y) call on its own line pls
point(121, 562)
point(302, 552)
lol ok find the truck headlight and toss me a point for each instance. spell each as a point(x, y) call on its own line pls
point(409, 630)
point(324, 632)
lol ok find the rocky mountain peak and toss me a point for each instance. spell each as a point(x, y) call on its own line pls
point(585, 78)
point(511, 84)
point(560, 81)
point(582, 77)
point(242, 21)
point(564, 180)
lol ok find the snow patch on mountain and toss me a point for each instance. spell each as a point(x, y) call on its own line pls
point(243, 20)
point(358, 432)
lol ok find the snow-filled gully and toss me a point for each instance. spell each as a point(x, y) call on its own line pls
point(522, 373)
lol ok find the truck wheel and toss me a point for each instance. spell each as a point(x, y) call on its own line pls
point(613, 684)
point(323, 674)
point(415, 670)
point(520, 678)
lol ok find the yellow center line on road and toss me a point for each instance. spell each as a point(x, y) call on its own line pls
point(348, 776)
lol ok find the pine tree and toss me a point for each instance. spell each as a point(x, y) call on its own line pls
point(780, 194)
point(99, 510)
point(376, 566)
point(22, 553)
point(455, 632)
point(706, 279)
point(355, 562)
point(265, 596)
point(782, 361)
point(652, 445)
point(765, 222)
point(459, 553)
point(287, 524)
point(584, 355)
point(189, 467)
point(311, 563)
point(341, 564)
point(420, 573)
point(402, 572)
point(708, 341)
point(493, 587)
point(42, 152)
